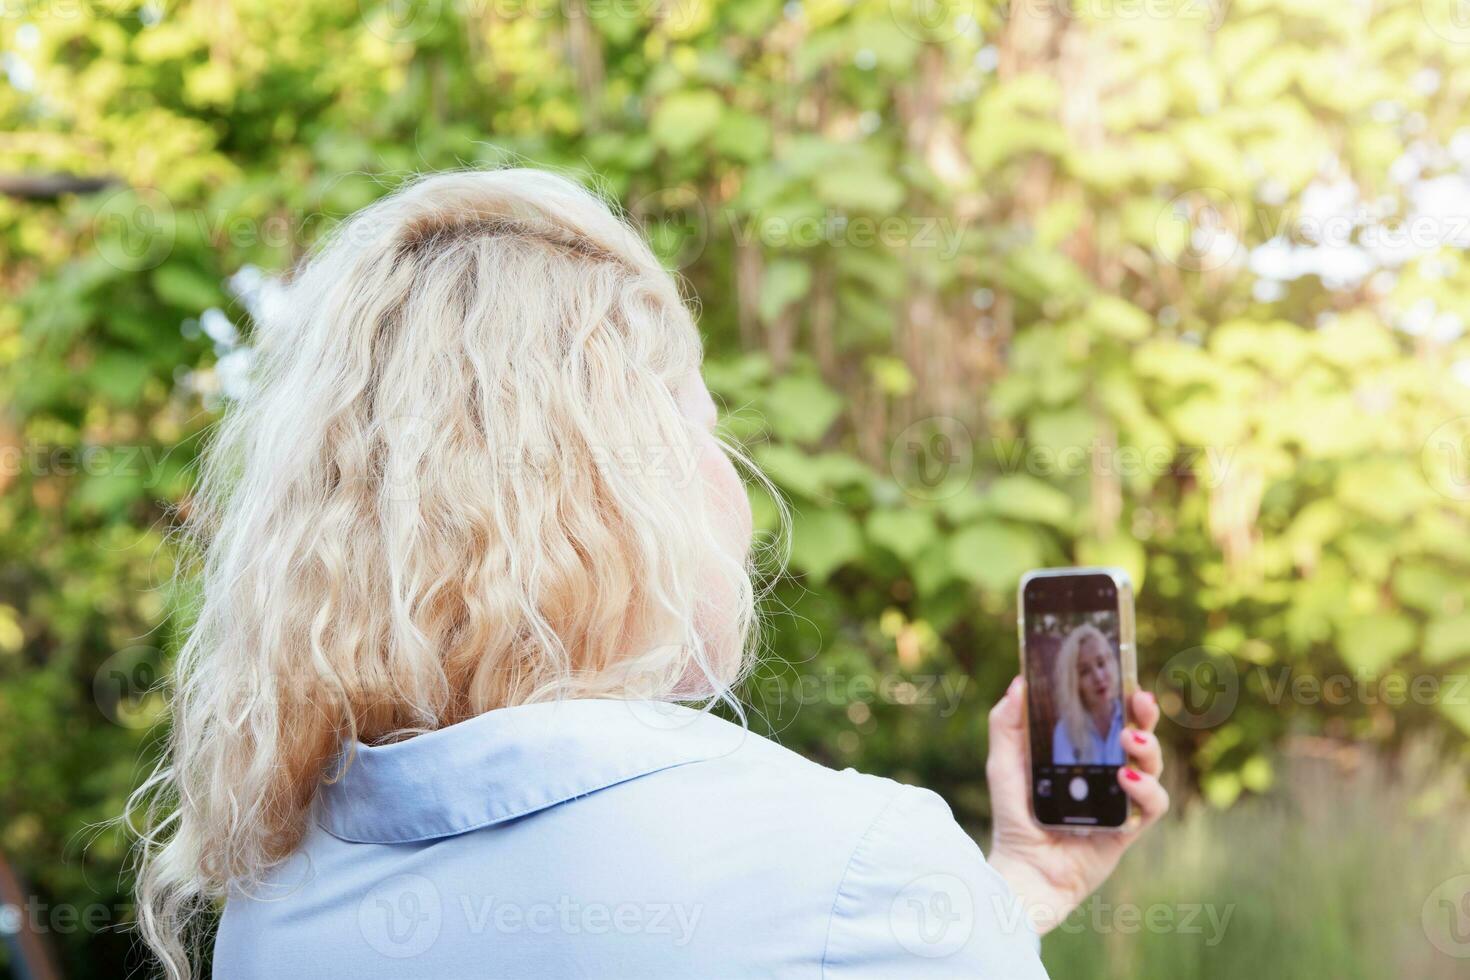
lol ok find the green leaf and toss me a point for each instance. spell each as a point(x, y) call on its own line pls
point(1457, 710)
point(784, 282)
point(1388, 490)
point(801, 407)
point(1119, 551)
point(1118, 318)
point(824, 540)
point(119, 376)
point(994, 556)
point(906, 533)
point(186, 287)
point(1025, 498)
point(1447, 638)
point(743, 136)
point(683, 120)
point(1053, 432)
point(860, 187)
point(1371, 642)
point(891, 374)
point(1426, 588)
point(790, 469)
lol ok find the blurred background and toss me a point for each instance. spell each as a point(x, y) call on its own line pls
point(1176, 285)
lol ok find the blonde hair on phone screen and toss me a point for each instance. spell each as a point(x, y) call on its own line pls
point(1075, 720)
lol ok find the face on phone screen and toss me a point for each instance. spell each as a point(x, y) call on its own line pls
point(1075, 709)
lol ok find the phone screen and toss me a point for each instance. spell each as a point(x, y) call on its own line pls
point(1076, 628)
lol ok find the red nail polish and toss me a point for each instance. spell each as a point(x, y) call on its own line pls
point(1138, 737)
point(1131, 774)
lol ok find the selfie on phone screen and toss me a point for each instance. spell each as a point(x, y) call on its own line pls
point(1073, 636)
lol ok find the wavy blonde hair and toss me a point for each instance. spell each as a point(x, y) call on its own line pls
point(441, 496)
point(1073, 713)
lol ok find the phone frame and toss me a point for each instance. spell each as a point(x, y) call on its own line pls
point(1127, 657)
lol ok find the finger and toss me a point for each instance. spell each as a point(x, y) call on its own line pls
point(1144, 751)
point(1148, 795)
point(1007, 719)
point(1008, 729)
point(1145, 710)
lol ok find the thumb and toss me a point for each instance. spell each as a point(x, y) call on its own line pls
point(1007, 721)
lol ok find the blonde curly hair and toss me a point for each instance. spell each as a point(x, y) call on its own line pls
point(442, 495)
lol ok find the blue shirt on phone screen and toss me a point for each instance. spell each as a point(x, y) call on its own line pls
point(1102, 751)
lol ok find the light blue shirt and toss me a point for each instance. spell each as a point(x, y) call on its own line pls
point(1106, 751)
point(622, 839)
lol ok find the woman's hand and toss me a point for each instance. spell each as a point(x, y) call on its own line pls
point(1051, 873)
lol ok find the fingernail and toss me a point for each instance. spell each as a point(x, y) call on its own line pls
point(1139, 738)
point(1131, 774)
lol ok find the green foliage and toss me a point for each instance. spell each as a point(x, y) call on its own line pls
point(980, 292)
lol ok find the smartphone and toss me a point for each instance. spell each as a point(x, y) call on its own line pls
point(1077, 654)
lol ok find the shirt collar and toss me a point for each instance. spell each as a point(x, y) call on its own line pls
point(509, 763)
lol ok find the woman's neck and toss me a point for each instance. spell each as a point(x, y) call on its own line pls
point(1102, 717)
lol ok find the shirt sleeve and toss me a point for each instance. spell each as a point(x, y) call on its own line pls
point(1062, 752)
point(919, 900)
